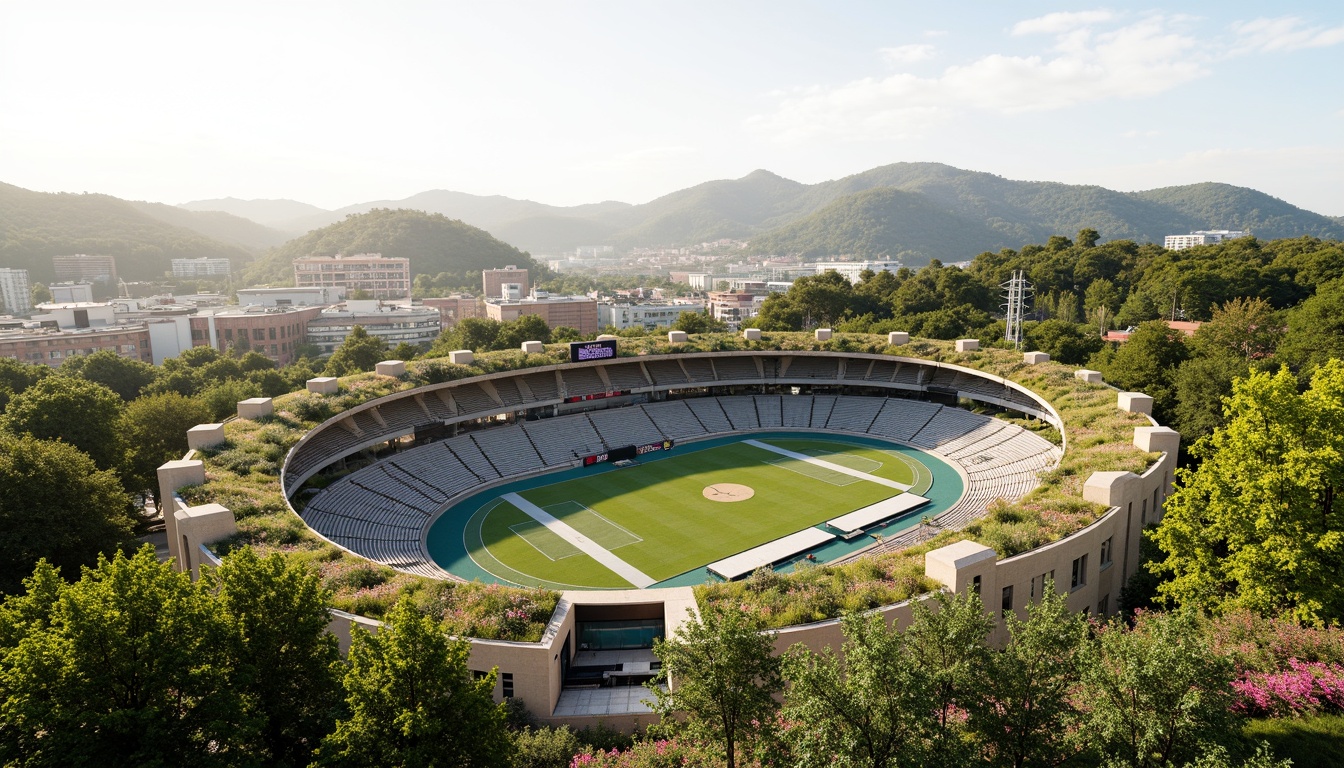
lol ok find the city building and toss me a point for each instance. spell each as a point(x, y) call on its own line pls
point(84, 268)
point(851, 270)
point(275, 332)
point(577, 312)
point(1201, 237)
point(393, 323)
point(493, 279)
point(61, 331)
point(732, 308)
point(15, 292)
point(65, 293)
point(382, 277)
point(649, 316)
point(315, 296)
point(202, 267)
point(458, 306)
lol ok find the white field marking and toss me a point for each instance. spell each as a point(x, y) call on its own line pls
point(534, 525)
point(589, 547)
point(829, 465)
point(581, 507)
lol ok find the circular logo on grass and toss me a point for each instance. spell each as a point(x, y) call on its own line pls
point(728, 492)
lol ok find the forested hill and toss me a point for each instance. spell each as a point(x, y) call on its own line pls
point(34, 226)
point(980, 210)
point(434, 243)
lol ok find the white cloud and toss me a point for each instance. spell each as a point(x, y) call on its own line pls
point(1058, 23)
point(1140, 59)
point(1286, 33)
point(904, 54)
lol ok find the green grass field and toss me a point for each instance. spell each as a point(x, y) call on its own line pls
point(655, 517)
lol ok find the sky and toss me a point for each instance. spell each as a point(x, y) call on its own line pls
point(335, 103)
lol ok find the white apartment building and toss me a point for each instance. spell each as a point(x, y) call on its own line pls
point(649, 316)
point(1201, 237)
point(202, 267)
point(393, 323)
point(383, 277)
point(852, 269)
point(15, 292)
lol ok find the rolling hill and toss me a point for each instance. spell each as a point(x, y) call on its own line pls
point(34, 226)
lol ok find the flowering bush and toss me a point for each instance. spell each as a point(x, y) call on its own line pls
point(492, 611)
point(1260, 644)
point(1304, 688)
point(662, 753)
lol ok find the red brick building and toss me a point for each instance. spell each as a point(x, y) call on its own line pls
point(273, 331)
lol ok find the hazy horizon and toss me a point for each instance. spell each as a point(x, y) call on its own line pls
point(343, 103)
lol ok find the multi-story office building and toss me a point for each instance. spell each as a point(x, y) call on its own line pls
point(851, 270)
point(650, 316)
point(61, 331)
point(15, 292)
point(733, 308)
point(493, 279)
point(577, 312)
point(202, 267)
point(275, 332)
point(1201, 237)
point(84, 268)
point(291, 297)
point(393, 323)
point(456, 307)
point(382, 277)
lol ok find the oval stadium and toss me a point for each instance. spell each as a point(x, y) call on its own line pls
point(627, 482)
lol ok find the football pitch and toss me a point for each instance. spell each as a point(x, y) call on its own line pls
point(671, 515)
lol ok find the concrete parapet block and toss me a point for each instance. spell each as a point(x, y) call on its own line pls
point(324, 385)
point(752, 334)
point(677, 337)
point(1135, 402)
point(1157, 439)
point(533, 347)
point(205, 436)
point(1035, 358)
point(462, 357)
point(174, 475)
point(607, 337)
point(256, 408)
point(1108, 488)
point(968, 345)
point(1091, 377)
point(823, 334)
point(897, 338)
point(201, 525)
point(390, 368)
point(957, 565)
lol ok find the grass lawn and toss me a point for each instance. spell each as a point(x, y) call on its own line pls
point(655, 516)
point(1311, 742)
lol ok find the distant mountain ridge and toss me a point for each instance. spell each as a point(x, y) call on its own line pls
point(976, 212)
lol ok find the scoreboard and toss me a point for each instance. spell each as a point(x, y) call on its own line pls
point(579, 351)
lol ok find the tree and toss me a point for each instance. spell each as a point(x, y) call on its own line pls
point(123, 375)
point(698, 322)
point(1201, 384)
point(475, 333)
point(412, 701)
point(222, 398)
point(15, 377)
point(725, 674)
point(156, 427)
point(1249, 329)
point(526, 328)
point(950, 645)
point(1066, 342)
point(1254, 524)
point(359, 352)
point(1315, 329)
point(56, 504)
point(81, 413)
point(1026, 717)
point(131, 669)
point(866, 703)
point(545, 747)
point(286, 664)
point(1156, 695)
point(404, 351)
point(1147, 363)
point(40, 294)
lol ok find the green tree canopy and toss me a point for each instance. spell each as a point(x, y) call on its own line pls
point(1147, 363)
point(698, 322)
point(1064, 341)
point(726, 675)
point(358, 353)
point(123, 375)
point(411, 701)
point(81, 413)
point(56, 504)
point(155, 427)
point(1254, 524)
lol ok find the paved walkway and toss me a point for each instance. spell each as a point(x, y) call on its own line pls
point(829, 465)
point(604, 556)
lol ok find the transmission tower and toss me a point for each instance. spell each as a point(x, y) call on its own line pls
point(1016, 291)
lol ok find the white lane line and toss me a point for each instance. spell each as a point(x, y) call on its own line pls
point(618, 566)
point(829, 465)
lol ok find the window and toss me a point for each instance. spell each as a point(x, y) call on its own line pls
point(506, 684)
point(1007, 599)
point(1104, 606)
point(228, 334)
point(975, 584)
point(1045, 578)
point(1106, 552)
point(1143, 513)
point(1079, 577)
point(271, 332)
point(259, 334)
